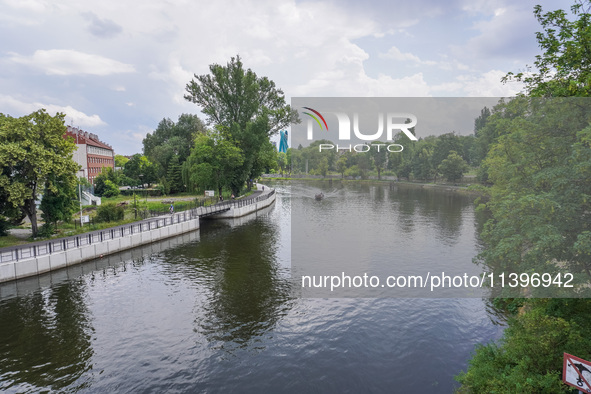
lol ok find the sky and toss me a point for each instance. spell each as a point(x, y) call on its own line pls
point(117, 68)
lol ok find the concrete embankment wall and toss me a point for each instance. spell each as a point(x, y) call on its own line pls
point(57, 260)
point(247, 209)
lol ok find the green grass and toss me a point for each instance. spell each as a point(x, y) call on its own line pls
point(11, 240)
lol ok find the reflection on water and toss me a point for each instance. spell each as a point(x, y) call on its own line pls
point(214, 311)
point(46, 339)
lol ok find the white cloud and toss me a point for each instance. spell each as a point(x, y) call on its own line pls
point(70, 62)
point(29, 5)
point(73, 116)
point(395, 54)
point(489, 85)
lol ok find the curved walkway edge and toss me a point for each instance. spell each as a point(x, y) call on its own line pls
point(41, 257)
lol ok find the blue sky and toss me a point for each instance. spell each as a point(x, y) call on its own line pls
point(116, 68)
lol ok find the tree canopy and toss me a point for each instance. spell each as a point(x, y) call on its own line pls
point(248, 107)
point(564, 67)
point(33, 149)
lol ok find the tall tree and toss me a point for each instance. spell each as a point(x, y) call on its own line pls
point(170, 139)
point(539, 163)
point(249, 107)
point(212, 163)
point(59, 200)
point(32, 148)
point(564, 68)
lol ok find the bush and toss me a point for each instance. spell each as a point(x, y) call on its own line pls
point(109, 212)
point(46, 231)
point(110, 189)
point(4, 227)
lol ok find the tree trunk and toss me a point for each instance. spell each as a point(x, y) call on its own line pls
point(30, 210)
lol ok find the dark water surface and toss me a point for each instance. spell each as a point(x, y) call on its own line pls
point(214, 311)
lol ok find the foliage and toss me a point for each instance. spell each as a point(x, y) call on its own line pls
point(248, 107)
point(139, 170)
point(100, 182)
point(109, 212)
point(33, 147)
point(281, 161)
point(529, 357)
point(213, 164)
point(453, 167)
point(4, 227)
point(540, 167)
point(59, 199)
point(168, 140)
point(120, 161)
point(174, 176)
point(110, 189)
point(563, 69)
point(539, 163)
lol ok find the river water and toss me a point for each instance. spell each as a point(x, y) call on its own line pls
point(216, 311)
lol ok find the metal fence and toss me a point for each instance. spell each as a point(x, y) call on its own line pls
point(42, 248)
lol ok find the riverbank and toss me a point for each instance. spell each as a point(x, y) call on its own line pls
point(45, 256)
point(476, 190)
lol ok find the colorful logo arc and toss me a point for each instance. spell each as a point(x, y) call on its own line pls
point(315, 118)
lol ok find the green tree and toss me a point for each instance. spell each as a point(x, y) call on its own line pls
point(281, 161)
point(249, 107)
point(540, 167)
point(32, 148)
point(539, 164)
point(379, 154)
point(529, 357)
point(175, 176)
point(453, 167)
point(100, 185)
point(59, 200)
point(323, 167)
point(212, 163)
point(342, 165)
point(120, 161)
point(140, 170)
point(110, 189)
point(170, 139)
point(444, 145)
point(564, 67)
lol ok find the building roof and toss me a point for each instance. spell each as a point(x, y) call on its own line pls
point(86, 138)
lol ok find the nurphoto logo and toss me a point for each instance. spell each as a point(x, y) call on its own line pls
point(393, 121)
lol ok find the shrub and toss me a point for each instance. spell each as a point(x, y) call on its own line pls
point(110, 189)
point(109, 212)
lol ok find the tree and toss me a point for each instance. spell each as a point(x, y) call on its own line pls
point(281, 161)
point(212, 163)
point(120, 161)
point(342, 165)
point(175, 176)
point(33, 147)
point(250, 108)
point(140, 170)
point(100, 182)
point(170, 139)
point(379, 154)
point(59, 200)
point(453, 167)
point(539, 168)
point(539, 163)
point(564, 69)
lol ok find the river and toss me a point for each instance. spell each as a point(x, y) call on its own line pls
point(217, 310)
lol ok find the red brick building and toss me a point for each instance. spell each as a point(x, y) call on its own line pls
point(91, 153)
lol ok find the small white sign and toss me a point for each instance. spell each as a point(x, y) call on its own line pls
point(576, 372)
point(209, 193)
point(85, 219)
